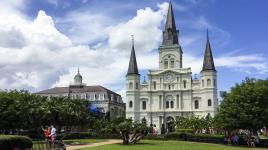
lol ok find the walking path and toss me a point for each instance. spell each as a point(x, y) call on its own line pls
point(112, 141)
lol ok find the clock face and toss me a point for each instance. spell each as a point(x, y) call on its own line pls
point(169, 77)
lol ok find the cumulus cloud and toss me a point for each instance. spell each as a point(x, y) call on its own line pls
point(145, 27)
point(35, 55)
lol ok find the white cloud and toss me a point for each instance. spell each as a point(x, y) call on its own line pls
point(35, 55)
point(145, 27)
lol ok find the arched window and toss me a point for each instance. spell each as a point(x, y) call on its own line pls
point(167, 104)
point(202, 83)
point(165, 64)
point(208, 82)
point(171, 104)
point(184, 83)
point(214, 82)
point(144, 105)
point(209, 102)
point(130, 104)
point(130, 86)
point(169, 87)
point(154, 85)
point(196, 104)
point(137, 86)
point(171, 63)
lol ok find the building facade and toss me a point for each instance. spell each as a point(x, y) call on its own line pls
point(170, 91)
point(98, 97)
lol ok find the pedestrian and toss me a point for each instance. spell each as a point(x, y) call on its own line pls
point(53, 134)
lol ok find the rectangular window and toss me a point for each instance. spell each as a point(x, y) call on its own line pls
point(160, 101)
point(178, 101)
point(171, 63)
point(154, 85)
point(184, 83)
point(144, 105)
point(165, 64)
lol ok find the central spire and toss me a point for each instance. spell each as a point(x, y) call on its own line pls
point(170, 36)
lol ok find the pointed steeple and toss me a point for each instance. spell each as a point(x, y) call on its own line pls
point(170, 35)
point(208, 63)
point(132, 67)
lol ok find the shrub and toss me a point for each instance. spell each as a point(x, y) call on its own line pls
point(185, 130)
point(13, 141)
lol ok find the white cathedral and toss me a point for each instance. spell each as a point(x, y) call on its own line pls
point(170, 90)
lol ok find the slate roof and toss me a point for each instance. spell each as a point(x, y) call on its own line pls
point(208, 63)
point(170, 27)
point(133, 67)
point(76, 89)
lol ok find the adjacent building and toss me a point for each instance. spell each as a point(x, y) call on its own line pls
point(171, 90)
point(99, 97)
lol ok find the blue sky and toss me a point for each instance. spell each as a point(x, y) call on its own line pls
point(51, 38)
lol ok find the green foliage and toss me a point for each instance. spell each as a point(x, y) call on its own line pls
point(194, 123)
point(22, 110)
point(12, 142)
point(132, 132)
point(245, 107)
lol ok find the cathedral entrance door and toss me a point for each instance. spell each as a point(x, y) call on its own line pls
point(170, 124)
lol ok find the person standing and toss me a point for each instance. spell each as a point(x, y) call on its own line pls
point(53, 135)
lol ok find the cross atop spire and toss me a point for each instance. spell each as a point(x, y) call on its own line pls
point(170, 36)
point(208, 63)
point(133, 67)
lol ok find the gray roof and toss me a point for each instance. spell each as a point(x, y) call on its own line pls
point(76, 89)
point(208, 63)
point(170, 36)
point(132, 67)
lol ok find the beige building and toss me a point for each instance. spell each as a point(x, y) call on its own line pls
point(170, 90)
point(99, 97)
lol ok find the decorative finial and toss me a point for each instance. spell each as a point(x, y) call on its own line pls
point(78, 70)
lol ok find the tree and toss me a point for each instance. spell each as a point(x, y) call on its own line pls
point(245, 107)
point(22, 110)
point(132, 132)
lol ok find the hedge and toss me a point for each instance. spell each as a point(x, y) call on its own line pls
point(10, 142)
point(185, 130)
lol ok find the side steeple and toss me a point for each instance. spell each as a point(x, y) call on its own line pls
point(170, 35)
point(132, 67)
point(208, 63)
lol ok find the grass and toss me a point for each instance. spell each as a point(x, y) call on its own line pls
point(169, 145)
point(82, 141)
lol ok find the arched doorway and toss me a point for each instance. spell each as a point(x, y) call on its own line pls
point(170, 124)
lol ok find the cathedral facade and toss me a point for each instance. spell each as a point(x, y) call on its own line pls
point(171, 91)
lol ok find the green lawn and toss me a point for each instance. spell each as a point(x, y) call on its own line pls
point(170, 145)
point(82, 141)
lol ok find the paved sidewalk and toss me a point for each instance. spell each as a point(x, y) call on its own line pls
point(112, 141)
